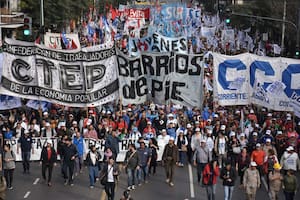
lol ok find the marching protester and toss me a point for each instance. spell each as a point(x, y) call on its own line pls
point(131, 166)
point(251, 181)
point(290, 160)
point(78, 141)
point(275, 181)
point(243, 163)
point(145, 155)
point(9, 165)
point(228, 175)
point(154, 148)
point(210, 174)
point(170, 159)
point(69, 153)
point(290, 185)
point(48, 160)
point(26, 145)
point(92, 161)
point(201, 158)
point(109, 177)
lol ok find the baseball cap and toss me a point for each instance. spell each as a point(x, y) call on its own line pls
point(251, 111)
point(268, 140)
point(203, 141)
point(223, 127)
point(189, 126)
point(45, 113)
point(47, 124)
point(268, 132)
point(209, 130)
point(290, 148)
point(197, 129)
point(258, 145)
point(216, 115)
point(242, 135)
point(269, 115)
point(172, 138)
point(279, 132)
point(149, 123)
point(232, 133)
point(253, 164)
point(288, 118)
point(254, 134)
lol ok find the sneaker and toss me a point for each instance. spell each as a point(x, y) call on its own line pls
point(49, 184)
point(171, 184)
point(91, 187)
point(129, 188)
point(133, 187)
point(72, 184)
point(66, 182)
point(167, 180)
point(10, 188)
point(139, 184)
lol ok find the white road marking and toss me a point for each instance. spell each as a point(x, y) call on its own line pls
point(266, 186)
point(191, 181)
point(36, 181)
point(27, 194)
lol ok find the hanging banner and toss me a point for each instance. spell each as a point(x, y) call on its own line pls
point(162, 78)
point(157, 43)
point(40, 142)
point(73, 78)
point(54, 40)
point(208, 32)
point(36, 105)
point(231, 79)
point(228, 35)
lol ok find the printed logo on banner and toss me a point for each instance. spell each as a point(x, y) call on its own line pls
point(81, 78)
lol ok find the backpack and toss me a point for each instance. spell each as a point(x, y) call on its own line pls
point(268, 165)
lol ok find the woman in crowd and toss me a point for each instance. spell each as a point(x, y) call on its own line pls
point(9, 165)
point(154, 148)
point(181, 142)
point(290, 185)
point(243, 163)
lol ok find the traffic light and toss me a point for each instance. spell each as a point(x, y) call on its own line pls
point(27, 25)
point(297, 53)
point(227, 20)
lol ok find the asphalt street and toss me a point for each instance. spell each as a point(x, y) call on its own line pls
point(32, 187)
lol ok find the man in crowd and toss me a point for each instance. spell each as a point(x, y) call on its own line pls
point(25, 142)
point(201, 158)
point(170, 158)
point(144, 154)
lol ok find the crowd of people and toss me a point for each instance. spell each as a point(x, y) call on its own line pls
point(245, 142)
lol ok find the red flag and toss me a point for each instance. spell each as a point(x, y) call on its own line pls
point(73, 45)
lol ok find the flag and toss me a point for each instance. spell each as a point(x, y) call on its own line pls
point(35, 104)
point(9, 102)
point(65, 42)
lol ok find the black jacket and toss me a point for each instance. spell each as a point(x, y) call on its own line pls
point(68, 152)
point(104, 172)
point(88, 159)
point(226, 175)
point(44, 156)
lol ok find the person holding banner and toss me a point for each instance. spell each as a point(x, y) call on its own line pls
point(48, 159)
point(25, 143)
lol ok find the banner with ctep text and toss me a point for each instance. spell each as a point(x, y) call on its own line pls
point(77, 78)
point(38, 144)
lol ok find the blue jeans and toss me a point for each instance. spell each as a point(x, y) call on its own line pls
point(211, 191)
point(26, 159)
point(182, 157)
point(200, 167)
point(131, 177)
point(142, 171)
point(78, 164)
point(93, 174)
point(228, 190)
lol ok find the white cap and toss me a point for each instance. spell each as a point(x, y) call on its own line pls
point(89, 122)
point(49, 142)
point(47, 124)
point(268, 140)
point(237, 112)
point(279, 132)
point(216, 115)
point(180, 131)
point(223, 127)
point(45, 113)
point(149, 123)
point(188, 126)
point(209, 130)
point(254, 134)
point(290, 148)
point(71, 115)
point(108, 112)
point(242, 135)
point(103, 112)
point(231, 134)
point(129, 109)
point(204, 141)
point(197, 129)
point(196, 122)
point(269, 115)
point(74, 122)
point(251, 111)
point(253, 164)
point(257, 125)
point(124, 111)
point(268, 132)
point(263, 109)
point(209, 120)
point(163, 130)
point(60, 124)
point(258, 145)
point(288, 115)
point(170, 115)
point(172, 138)
point(288, 118)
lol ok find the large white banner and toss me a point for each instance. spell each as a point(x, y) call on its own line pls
point(231, 79)
point(74, 78)
point(247, 78)
point(162, 78)
point(54, 40)
point(38, 144)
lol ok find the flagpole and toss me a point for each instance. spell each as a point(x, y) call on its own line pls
point(42, 14)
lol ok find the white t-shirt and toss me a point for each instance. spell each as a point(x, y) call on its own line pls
point(110, 175)
point(222, 143)
point(93, 158)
